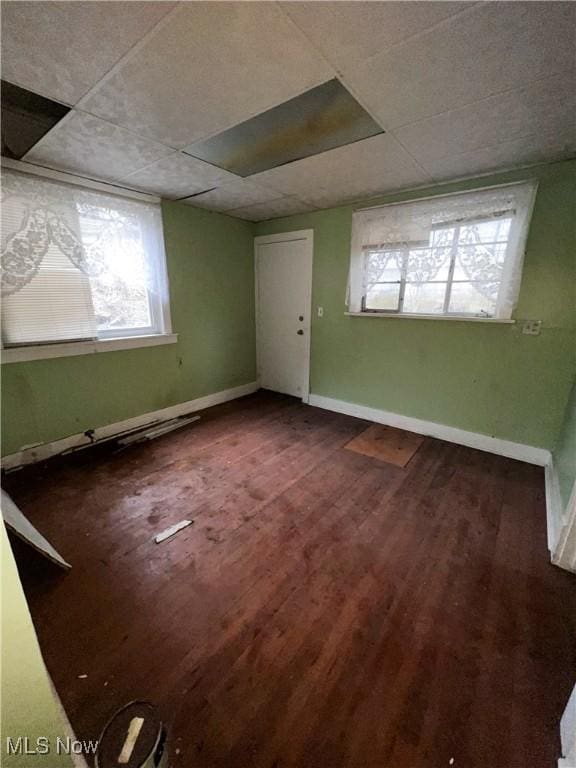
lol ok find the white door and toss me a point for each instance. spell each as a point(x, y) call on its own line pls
point(283, 306)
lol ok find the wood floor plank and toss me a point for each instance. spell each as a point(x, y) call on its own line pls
point(324, 609)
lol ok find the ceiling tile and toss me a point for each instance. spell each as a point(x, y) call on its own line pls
point(87, 145)
point(234, 194)
point(282, 206)
point(210, 66)
point(176, 176)
point(348, 173)
point(544, 107)
point(490, 49)
point(347, 34)
point(61, 49)
point(530, 150)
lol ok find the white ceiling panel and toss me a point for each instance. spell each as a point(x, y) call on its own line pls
point(487, 50)
point(87, 145)
point(347, 33)
point(273, 209)
point(61, 49)
point(237, 193)
point(177, 175)
point(544, 107)
point(510, 154)
point(209, 67)
point(363, 169)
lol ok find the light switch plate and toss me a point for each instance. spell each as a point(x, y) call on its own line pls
point(532, 327)
point(320, 311)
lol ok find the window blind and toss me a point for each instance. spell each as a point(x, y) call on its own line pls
point(78, 264)
point(458, 254)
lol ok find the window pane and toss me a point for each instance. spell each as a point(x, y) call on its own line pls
point(473, 298)
point(384, 266)
point(426, 264)
point(485, 231)
point(442, 237)
point(118, 277)
point(480, 262)
point(424, 298)
point(383, 296)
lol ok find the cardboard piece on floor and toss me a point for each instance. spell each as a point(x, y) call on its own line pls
point(23, 528)
point(394, 446)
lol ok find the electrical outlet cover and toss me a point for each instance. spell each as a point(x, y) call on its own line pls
point(532, 327)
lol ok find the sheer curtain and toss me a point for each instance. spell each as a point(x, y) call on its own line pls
point(76, 263)
point(418, 225)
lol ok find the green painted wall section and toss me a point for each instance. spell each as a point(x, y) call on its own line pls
point(211, 272)
point(484, 378)
point(565, 451)
point(28, 704)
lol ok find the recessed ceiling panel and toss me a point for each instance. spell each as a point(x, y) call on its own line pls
point(322, 118)
point(26, 117)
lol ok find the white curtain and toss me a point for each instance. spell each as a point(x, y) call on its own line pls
point(76, 263)
point(413, 224)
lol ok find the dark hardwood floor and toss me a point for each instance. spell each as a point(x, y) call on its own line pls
point(325, 610)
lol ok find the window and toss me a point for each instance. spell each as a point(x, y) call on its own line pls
point(79, 264)
point(455, 255)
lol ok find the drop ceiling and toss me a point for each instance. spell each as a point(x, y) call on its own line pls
point(456, 88)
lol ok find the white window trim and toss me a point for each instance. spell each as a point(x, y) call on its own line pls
point(107, 342)
point(73, 348)
point(414, 316)
point(79, 181)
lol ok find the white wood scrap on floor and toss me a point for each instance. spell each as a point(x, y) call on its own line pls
point(172, 530)
point(157, 430)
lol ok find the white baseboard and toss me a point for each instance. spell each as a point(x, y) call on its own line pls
point(40, 452)
point(519, 451)
point(554, 507)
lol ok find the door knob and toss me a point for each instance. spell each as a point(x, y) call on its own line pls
point(300, 333)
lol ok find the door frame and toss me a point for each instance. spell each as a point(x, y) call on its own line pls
point(306, 235)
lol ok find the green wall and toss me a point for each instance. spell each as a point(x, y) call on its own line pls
point(565, 450)
point(29, 706)
point(210, 268)
point(484, 378)
point(480, 377)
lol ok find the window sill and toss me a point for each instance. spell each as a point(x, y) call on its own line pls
point(453, 318)
point(73, 348)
